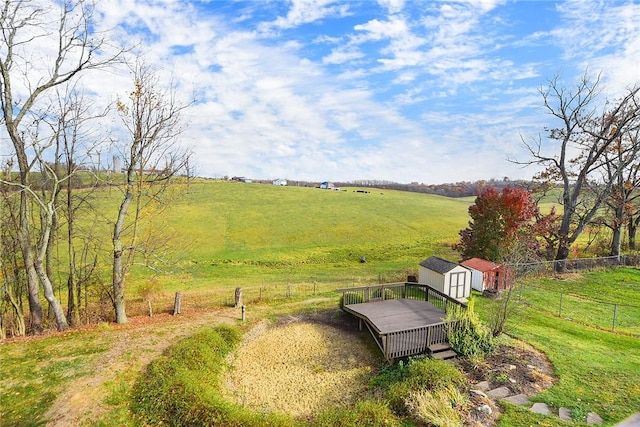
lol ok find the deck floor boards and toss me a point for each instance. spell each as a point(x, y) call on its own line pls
point(398, 314)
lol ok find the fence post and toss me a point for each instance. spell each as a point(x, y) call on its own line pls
point(615, 310)
point(177, 303)
point(560, 312)
point(520, 293)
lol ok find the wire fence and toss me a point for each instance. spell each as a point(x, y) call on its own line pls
point(614, 316)
point(543, 268)
point(617, 317)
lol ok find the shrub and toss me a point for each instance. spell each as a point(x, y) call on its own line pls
point(419, 375)
point(437, 408)
point(368, 413)
point(466, 334)
point(388, 293)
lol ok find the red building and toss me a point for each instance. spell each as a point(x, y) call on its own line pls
point(487, 275)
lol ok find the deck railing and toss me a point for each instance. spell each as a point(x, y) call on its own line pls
point(399, 290)
point(405, 342)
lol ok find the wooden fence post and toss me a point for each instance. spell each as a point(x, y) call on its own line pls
point(238, 300)
point(176, 304)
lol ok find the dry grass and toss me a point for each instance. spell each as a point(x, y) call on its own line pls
point(301, 367)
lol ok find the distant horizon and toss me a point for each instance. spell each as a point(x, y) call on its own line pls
point(405, 91)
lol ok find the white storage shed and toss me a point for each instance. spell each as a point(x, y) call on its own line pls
point(447, 277)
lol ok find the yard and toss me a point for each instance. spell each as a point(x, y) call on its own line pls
point(85, 377)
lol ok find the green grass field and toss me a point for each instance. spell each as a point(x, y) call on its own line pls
point(222, 234)
point(290, 248)
point(581, 298)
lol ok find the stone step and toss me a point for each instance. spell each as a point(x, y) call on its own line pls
point(518, 399)
point(564, 414)
point(541, 408)
point(499, 393)
point(443, 355)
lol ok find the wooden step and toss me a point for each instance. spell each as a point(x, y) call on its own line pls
point(443, 355)
point(439, 347)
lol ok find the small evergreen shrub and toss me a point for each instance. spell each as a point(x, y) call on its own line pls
point(418, 375)
point(467, 335)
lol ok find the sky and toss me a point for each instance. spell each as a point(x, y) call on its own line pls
point(405, 91)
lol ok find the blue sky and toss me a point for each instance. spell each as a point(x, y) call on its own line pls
point(426, 91)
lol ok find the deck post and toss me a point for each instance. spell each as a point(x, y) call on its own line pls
point(360, 324)
point(383, 339)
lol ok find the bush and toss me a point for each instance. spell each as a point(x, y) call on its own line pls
point(388, 294)
point(437, 408)
point(418, 375)
point(368, 413)
point(467, 335)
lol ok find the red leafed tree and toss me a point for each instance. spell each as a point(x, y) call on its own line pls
point(498, 221)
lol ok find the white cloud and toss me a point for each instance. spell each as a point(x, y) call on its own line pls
point(430, 92)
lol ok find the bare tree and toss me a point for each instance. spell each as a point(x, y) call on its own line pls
point(620, 206)
point(587, 132)
point(43, 46)
point(76, 143)
point(13, 280)
point(152, 118)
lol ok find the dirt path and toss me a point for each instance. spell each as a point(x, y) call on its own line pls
point(134, 345)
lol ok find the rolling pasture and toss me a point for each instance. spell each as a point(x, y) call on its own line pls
point(220, 235)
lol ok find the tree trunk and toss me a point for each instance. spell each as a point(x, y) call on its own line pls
point(54, 304)
point(616, 241)
point(73, 295)
point(119, 266)
point(560, 263)
point(21, 328)
point(33, 285)
point(632, 228)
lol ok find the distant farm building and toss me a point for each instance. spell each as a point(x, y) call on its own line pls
point(329, 186)
point(448, 277)
point(282, 182)
point(487, 275)
point(241, 179)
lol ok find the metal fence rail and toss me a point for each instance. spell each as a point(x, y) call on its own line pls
point(617, 317)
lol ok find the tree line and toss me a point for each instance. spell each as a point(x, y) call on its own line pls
point(48, 180)
point(590, 158)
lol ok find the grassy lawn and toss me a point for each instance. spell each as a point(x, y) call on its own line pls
point(598, 370)
point(35, 371)
point(605, 299)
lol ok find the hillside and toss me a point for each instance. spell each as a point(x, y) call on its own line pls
point(222, 233)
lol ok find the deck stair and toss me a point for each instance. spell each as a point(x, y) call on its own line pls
point(441, 351)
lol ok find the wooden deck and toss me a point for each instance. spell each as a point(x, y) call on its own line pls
point(405, 319)
point(397, 314)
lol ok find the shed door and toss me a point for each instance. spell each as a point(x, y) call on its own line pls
point(456, 284)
